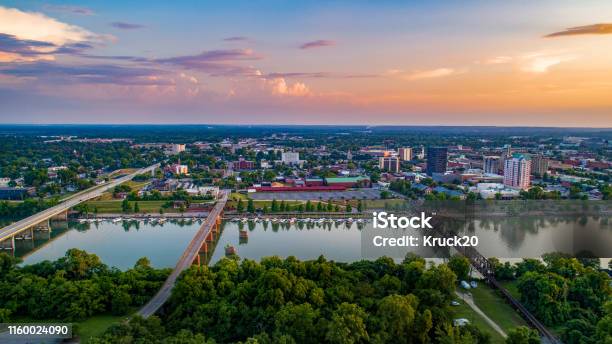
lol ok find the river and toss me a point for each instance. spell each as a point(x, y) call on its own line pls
point(122, 244)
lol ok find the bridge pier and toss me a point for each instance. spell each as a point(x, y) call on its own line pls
point(204, 247)
point(8, 244)
point(63, 216)
point(44, 226)
point(196, 261)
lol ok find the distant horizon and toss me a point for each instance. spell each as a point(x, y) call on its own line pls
point(306, 125)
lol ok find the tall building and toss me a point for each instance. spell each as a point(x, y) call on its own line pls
point(436, 160)
point(389, 163)
point(491, 164)
point(290, 158)
point(420, 153)
point(505, 155)
point(405, 153)
point(517, 171)
point(177, 148)
point(539, 165)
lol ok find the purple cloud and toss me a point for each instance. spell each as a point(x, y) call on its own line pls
point(215, 62)
point(126, 26)
point(93, 74)
point(236, 39)
point(70, 9)
point(319, 75)
point(11, 44)
point(317, 44)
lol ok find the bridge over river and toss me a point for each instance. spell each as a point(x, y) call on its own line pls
point(21, 227)
point(200, 243)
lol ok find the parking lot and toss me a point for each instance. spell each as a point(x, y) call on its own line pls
point(317, 195)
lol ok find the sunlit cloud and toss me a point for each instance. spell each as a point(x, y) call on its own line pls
point(39, 27)
point(317, 44)
point(432, 73)
point(541, 62)
point(499, 60)
point(280, 87)
point(595, 29)
point(534, 62)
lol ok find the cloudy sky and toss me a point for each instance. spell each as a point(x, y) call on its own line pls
point(303, 62)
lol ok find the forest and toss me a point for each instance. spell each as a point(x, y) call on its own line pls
point(319, 301)
point(73, 287)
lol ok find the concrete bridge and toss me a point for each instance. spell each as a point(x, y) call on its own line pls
point(201, 242)
point(25, 228)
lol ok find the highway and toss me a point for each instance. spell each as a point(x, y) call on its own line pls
point(186, 260)
point(19, 226)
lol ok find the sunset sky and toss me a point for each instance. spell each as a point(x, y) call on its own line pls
point(527, 63)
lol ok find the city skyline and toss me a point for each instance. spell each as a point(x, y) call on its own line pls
point(475, 63)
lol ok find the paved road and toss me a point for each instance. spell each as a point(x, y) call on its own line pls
point(96, 191)
point(470, 302)
point(186, 259)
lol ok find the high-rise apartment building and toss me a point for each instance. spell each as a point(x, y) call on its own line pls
point(539, 165)
point(491, 164)
point(436, 160)
point(389, 163)
point(405, 153)
point(517, 171)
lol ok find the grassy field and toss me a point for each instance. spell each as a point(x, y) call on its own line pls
point(380, 203)
point(96, 325)
point(115, 206)
point(464, 311)
point(512, 289)
point(494, 305)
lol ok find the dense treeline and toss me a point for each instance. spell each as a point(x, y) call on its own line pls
point(569, 293)
point(289, 301)
point(19, 210)
point(73, 287)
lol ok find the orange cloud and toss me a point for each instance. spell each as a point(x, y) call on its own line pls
point(595, 29)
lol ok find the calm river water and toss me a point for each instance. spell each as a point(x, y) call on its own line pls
point(121, 244)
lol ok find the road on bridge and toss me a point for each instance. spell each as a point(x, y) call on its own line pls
point(186, 259)
point(96, 191)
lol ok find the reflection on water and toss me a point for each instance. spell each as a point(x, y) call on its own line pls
point(121, 244)
point(117, 244)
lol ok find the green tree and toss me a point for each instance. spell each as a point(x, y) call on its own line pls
point(523, 335)
point(125, 206)
point(299, 321)
point(348, 208)
point(360, 206)
point(136, 208)
point(250, 206)
point(460, 266)
point(395, 317)
point(347, 325)
point(545, 294)
point(240, 206)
